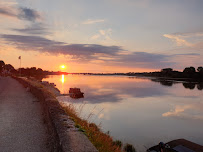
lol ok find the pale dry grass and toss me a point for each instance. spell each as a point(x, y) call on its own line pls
point(103, 142)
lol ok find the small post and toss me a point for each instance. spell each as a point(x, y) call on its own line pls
point(20, 64)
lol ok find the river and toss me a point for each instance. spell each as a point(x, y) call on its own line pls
point(139, 111)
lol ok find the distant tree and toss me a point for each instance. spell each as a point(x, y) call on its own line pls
point(189, 70)
point(2, 62)
point(33, 68)
point(9, 67)
point(167, 70)
point(199, 69)
point(1, 65)
point(39, 71)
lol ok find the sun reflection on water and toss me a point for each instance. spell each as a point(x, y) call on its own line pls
point(62, 78)
point(63, 81)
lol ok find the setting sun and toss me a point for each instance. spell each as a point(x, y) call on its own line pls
point(62, 66)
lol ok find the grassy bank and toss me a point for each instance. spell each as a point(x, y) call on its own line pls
point(103, 142)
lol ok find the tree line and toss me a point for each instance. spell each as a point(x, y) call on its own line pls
point(189, 73)
point(8, 69)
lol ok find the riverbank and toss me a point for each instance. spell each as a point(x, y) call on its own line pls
point(68, 128)
point(63, 135)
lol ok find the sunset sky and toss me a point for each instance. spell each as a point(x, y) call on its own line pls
point(102, 35)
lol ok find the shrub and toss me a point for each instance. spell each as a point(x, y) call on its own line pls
point(129, 148)
point(118, 143)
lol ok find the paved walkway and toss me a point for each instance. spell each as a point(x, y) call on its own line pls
point(21, 123)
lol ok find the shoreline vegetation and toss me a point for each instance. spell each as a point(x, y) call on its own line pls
point(190, 77)
point(189, 74)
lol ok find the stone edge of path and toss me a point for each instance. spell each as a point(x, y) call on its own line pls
point(63, 135)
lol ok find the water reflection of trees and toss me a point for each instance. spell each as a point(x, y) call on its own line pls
point(164, 82)
point(190, 86)
point(40, 77)
point(187, 85)
point(114, 92)
point(200, 86)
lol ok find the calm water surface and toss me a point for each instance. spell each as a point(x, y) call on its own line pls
point(137, 110)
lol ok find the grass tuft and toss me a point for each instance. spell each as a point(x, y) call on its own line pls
point(129, 148)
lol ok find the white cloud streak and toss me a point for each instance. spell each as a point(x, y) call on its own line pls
point(104, 34)
point(91, 21)
point(185, 39)
point(181, 112)
point(179, 41)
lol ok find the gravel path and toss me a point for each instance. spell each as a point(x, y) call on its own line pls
point(21, 123)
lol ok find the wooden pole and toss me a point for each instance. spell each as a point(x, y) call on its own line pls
point(20, 64)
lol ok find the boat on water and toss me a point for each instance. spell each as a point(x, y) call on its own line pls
point(76, 93)
point(178, 145)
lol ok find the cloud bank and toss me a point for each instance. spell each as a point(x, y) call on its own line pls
point(20, 13)
point(33, 29)
point(112, 55)
point(33, 24)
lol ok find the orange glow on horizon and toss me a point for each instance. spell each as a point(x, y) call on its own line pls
point(35, 59)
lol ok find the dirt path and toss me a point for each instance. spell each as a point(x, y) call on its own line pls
point(21, 123)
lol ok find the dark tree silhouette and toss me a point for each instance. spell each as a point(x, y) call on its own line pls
point(2, 64)
point(9, 67)
point(189, 70)
point(199, 69)
point(167, 70)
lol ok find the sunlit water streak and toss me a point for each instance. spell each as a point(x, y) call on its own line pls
point(137, 110)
